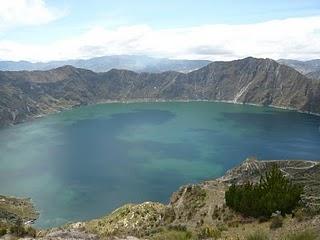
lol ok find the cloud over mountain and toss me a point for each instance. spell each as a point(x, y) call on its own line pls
point(295, 38)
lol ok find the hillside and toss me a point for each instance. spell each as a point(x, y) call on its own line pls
point(310, 68)
point(314, 75)
point(194, 208)
point(24, 95)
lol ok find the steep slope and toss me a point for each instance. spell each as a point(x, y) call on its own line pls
point(304, 67)
point(314, 75)
point(250, 80)
point(102, 64)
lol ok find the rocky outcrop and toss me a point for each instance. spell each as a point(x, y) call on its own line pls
point(14, 209)
point(24, 95)
point(131, 219)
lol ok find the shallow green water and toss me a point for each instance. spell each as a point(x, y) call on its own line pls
point(83, 163)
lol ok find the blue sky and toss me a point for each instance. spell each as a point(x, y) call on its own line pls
point(54, 22)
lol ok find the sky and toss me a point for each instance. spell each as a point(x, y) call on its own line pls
point(45, 30)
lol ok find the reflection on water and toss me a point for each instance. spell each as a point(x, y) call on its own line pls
point(84, 163)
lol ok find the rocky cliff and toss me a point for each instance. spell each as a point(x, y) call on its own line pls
point(24, 95)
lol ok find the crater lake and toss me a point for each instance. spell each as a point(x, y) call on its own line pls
point(85, 162)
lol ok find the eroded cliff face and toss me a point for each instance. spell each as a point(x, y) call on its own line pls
point(24, 95)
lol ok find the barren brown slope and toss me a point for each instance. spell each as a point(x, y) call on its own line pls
point(24, 95)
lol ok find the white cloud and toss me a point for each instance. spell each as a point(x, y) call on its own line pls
point(15, 13)
point(297, 38)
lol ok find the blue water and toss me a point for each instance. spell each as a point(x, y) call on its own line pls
point(83, 163)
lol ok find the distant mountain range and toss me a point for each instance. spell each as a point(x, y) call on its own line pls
point(141, 63)
point(135, 63)
point(310, 68)
point(26, 94)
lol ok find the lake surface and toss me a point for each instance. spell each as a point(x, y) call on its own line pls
point(83, 163)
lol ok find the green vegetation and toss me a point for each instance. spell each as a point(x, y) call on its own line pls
point(305, 235)
point(172, 235)
point(20, 231)
point(12, 209)
point(131, 219)
point(209, 232)
point(258, 236)
point(274, 193)
point(3, 231)
point(194, 199)
point(276, 222)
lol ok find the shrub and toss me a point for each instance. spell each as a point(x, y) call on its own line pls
point(305, 235)
point(17, 229)
point(299, 215)
point(257, 236)
point(20, 231)
point(276, 222)
point(31, 232)
point(274, 193)
point(208, 232)
point(180, 228)
point(172, 235)
point(3, 231)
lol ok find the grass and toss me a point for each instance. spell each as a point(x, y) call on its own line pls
point(172, 235)
point(305, 235)
point(209, 232)
point(23, 208)
point(276, 222)
point(258, 236)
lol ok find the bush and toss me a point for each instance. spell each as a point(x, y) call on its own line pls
point(299, 215)
point(276, 222)
point(3, 231)
point(20, 231)
point(257, 236)
point(172, 235)
point(17, 230)
point(31, 232)
point(305, 235)
point(273, 193)
point(208, 232)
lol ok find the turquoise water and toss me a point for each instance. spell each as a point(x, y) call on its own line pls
point(83, 163)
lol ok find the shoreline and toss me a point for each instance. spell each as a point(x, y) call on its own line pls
point(198, 100)
point(149, 100)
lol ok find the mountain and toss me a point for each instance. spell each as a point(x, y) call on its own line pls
point(102, 64)
point(314, 75)
point(310, 68)
point(24, 94)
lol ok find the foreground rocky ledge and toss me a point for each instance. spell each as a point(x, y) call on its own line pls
point(193, 207)
point(13, 209)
